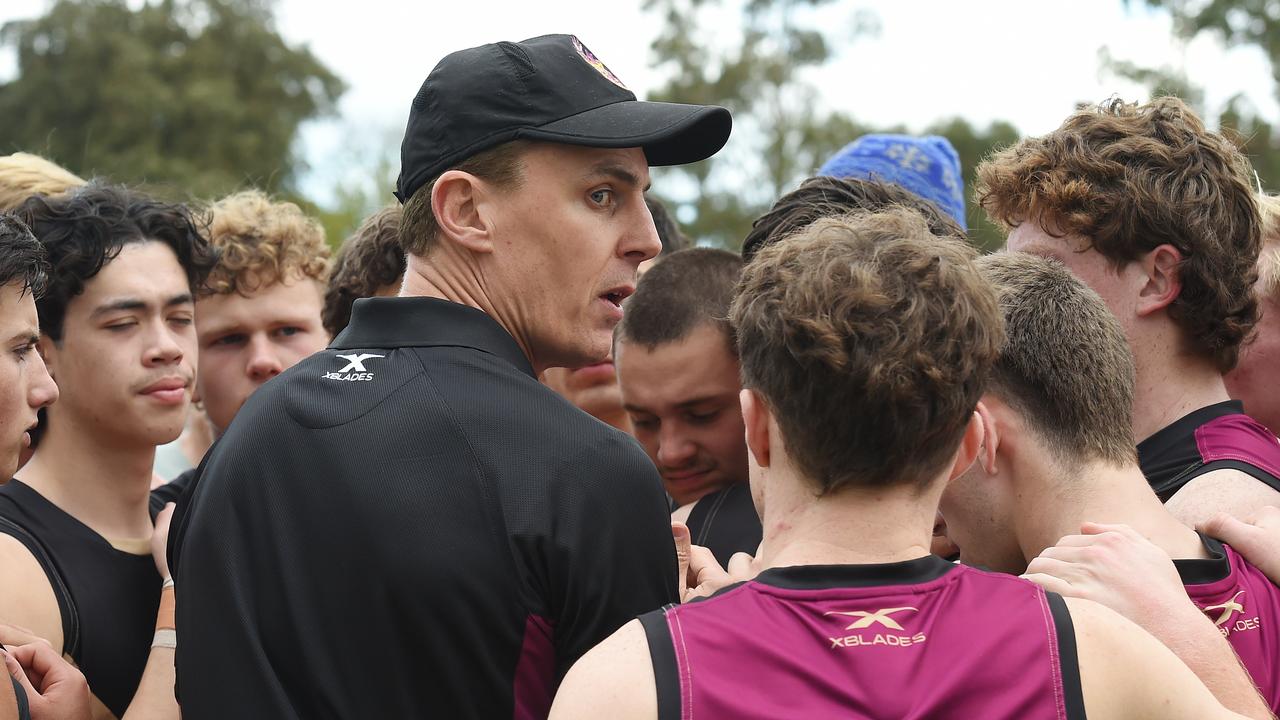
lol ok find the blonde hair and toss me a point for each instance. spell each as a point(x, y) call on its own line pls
point(23, 175)
point(261, 242)
point(1269, 259)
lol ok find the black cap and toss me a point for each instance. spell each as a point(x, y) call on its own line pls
point(548, 88)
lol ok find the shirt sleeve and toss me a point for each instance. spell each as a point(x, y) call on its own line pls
point(612, 553)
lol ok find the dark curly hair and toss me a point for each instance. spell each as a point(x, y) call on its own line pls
point(83, 231)
point(821, 196)
point(370, 259)
point(1129, 178)
point(22, 259)
point(871, 339)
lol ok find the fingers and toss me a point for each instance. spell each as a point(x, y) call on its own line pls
point(741, 567)
point(1052, 583)
point(160, 540)
point(680, 533)
point(1092, 528)
point(15, 670)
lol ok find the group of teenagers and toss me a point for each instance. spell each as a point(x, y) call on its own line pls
point(520, 451)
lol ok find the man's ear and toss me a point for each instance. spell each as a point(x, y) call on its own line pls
point(991, 437)
point(970, 446)
point(756, 416)
point(1162, 269)
point(456, 200)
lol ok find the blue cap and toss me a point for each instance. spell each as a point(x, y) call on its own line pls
point(927, 166)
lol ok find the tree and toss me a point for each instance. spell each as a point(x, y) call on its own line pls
point(1235, 22)
point(782, 131)
point(203, 95)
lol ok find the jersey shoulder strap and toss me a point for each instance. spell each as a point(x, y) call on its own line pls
point(662, 653)
point(66, 605)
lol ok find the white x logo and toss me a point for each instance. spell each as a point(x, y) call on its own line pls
point(356, 362)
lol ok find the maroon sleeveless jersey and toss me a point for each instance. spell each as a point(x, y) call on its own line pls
point(1245, 606)
point(916, 639)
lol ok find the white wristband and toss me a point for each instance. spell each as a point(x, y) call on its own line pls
point(168, 583)
point(165, 638)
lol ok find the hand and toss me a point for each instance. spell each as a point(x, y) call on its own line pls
point(1114, 566)
point(160, 540)
point(700, 573)
point(942, 545)
point(56, 689)
point(1257, 537)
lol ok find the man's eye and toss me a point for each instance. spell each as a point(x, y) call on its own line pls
point(602, 197)
point(288, 331)
point(228, 340)
point(125, 325)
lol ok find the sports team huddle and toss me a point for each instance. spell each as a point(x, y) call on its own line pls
point(522, 450)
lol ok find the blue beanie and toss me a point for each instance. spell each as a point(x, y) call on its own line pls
point(927, 166)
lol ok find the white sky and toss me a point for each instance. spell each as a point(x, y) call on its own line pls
point(1024, 61)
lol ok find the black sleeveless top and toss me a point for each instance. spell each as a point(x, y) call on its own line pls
point(725, 522)
point(108, 598)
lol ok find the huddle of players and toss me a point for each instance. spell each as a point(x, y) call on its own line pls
point(884, 366)
point(121, 294)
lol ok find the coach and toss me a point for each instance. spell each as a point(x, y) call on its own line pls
point(408, 524)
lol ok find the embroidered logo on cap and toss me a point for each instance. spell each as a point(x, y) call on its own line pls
point(595, 62)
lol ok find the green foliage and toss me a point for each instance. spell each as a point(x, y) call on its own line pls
point(782, 131)
point(199, 95)
point(1235, 22)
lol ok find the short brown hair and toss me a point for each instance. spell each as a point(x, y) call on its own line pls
point(501, 165)
point(23, 175)
point(262, 242)
point(684, 290)
point(1065, 365)
point(1129, 178)
point(871, 339)
point(369, 260)
point(822, 196)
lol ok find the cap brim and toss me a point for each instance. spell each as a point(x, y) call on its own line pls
point(669, 133)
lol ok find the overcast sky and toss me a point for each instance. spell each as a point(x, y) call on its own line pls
point(1018, 60)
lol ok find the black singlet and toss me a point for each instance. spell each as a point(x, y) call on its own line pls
point(108, 598)
point(725, 522)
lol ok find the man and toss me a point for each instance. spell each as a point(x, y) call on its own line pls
point(259, 311)
point(852, 616)
point(117, 334)
point(59, 691)
point(1058, 451)
point(678, 371)
point(369, 264)
point(594, 388)
point(1253, 381)
point(1158, 216)
point(484, 531)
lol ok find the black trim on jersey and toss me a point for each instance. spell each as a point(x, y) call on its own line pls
point(66, 606)
point(1068, 659)
point(821, 577)
point(20, 695)
point(1201, 571)
point(662, 653)
point(1168, 488)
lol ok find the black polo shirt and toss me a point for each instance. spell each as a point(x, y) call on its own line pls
point(408, 524)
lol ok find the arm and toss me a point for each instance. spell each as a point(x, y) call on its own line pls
point(613, 680)
point(1115, 566)
point(612, 557)
point(1257, 537)
point(154, 698)
point(26, 597)
point(1126, 673)
point(1229, 491)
